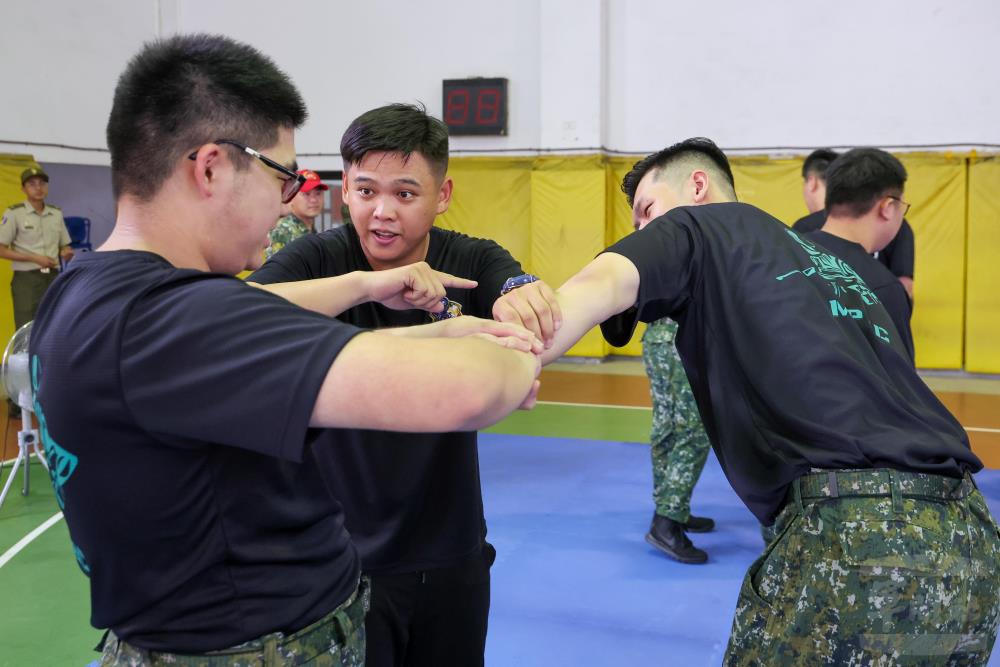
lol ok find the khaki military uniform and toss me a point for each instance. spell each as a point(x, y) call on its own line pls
point(287, 230)
point(25, 230)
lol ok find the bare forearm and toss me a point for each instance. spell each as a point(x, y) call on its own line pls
point(328, 296)
point(7, 252)
point(381, 381)
point(607, 286)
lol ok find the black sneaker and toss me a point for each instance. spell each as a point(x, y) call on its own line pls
point(699, 524)
point(669, 537)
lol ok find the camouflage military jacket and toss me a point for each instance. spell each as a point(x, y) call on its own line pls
point(287, 230)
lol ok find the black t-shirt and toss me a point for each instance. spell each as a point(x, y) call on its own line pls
point(879, 279)
point(794, 363)
point(811, 222)
point(175, 407)
point(412, 500)
point(897, 256)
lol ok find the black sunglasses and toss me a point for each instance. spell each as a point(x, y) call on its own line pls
point(289, 186)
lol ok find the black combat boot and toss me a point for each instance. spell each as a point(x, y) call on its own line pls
point(669, 537)
point(699, 524)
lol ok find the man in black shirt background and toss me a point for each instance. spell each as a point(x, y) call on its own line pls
point(186, 472)
point(885, 550)
point(897, 255)
point(413, 502)
point(814, 189)
point(851, 235)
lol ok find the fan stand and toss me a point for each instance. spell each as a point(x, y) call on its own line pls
point(27, 439)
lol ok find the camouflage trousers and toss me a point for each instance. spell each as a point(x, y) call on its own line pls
point(336, 640)
point(873, 568)
point(678, 442)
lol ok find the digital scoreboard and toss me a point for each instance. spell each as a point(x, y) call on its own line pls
point(475, 106)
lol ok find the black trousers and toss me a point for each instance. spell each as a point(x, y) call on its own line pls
point(435, 618)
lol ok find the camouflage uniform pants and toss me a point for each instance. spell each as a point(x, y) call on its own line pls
point(873, 568)
point(678, 443)
point(336, 640)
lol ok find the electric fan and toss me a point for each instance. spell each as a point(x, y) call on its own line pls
point(15, 376)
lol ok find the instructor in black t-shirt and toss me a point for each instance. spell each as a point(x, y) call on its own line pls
point(412, 501)
point(885, 550)
point(177, 404)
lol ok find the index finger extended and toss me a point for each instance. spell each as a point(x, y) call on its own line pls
point(449, 280)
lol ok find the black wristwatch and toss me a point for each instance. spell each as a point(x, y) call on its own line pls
point(518, 281)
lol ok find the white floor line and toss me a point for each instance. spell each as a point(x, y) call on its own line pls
point(981, 430)
point(9, 461)
point(29, 538)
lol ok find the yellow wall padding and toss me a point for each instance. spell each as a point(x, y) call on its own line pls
point(11, 167)
point(982, 320)
point(772, 185)
point(568, 225)
point(555, 213)
point(619, 225)
point(492, 200)
point(935, 187)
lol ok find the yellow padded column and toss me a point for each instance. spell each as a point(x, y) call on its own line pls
point(936, 189)
point(982, 320)
point(492, 200)
point(568, 225)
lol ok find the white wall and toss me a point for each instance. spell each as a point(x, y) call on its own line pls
point(807, 74)
point(59, 62)
point(780, 74)
point(347, 58)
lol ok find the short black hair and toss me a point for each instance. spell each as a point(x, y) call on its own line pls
point(859, 178)
point(179, 93)
point(818, 161)
point(696, 146)
point(397, 128)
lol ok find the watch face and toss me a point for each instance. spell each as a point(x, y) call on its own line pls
point(451, 309)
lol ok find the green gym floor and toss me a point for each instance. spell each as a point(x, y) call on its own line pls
point(44, 605)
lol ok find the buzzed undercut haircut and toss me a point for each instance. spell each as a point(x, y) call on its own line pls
point(397, 128)
point(696, 153)
point(859, 178)
point(180, 93)
point(817, 163)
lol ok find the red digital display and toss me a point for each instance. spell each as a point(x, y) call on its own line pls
point(475, 106)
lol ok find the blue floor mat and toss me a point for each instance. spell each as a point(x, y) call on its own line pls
point(576, 584)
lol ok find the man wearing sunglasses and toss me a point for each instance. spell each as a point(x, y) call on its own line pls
point(187, 475)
